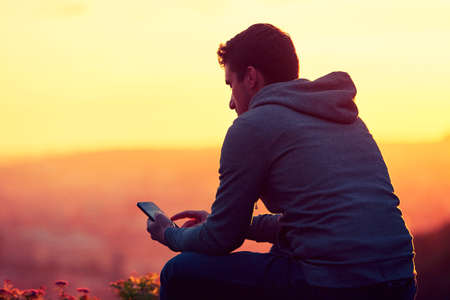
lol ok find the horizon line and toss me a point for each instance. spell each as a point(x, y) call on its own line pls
point(12, 157)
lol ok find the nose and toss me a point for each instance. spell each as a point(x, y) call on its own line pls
point(232, 105)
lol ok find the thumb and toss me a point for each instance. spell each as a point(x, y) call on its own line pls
point(162, 220)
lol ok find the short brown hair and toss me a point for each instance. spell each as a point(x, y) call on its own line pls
point(264, 47)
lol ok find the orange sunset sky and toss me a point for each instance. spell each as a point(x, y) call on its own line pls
point(97, 74)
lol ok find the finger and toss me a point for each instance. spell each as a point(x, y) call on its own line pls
point(162, 220)
point(149, 227)
point(186, 214)
point(159, 216)
point(190, 223)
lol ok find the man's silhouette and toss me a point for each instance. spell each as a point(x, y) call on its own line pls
point(300, 147)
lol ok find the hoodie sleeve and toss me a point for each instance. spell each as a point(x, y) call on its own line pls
point(242, 172)
point(264, 228)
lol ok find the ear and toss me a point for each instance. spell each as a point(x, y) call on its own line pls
point(254, 78)
point(251, 77)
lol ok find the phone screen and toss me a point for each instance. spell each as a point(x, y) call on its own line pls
point(150, 209)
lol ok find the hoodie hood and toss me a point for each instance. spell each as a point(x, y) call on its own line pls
point(329, 97)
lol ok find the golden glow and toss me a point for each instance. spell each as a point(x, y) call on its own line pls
point(78, 74)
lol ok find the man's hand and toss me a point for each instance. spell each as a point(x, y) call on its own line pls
point(196, 217)
point(158, 227)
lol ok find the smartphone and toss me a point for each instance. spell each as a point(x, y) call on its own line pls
point(150, 209)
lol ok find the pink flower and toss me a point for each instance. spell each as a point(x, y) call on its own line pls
point(5, 292)
point(16, 291)
point(32, 293)
point(61, 283)
point(83, 290)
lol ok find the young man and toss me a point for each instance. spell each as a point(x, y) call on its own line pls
point(299, 145)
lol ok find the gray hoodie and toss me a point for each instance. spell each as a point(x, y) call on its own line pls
point(303, 150)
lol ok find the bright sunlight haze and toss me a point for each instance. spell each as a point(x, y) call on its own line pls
point(91, 75)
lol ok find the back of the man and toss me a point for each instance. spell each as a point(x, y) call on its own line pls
point(300, 146)
point(327, 177)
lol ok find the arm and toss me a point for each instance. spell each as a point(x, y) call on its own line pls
point(264, 228)
point(242, 173)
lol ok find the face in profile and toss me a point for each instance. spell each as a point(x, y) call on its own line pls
point(240, 92)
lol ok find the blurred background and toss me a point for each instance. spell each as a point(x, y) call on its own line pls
point(106, 103)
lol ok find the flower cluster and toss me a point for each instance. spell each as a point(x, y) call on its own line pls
point(9, 292)
point(145, 287)
point(61, 287)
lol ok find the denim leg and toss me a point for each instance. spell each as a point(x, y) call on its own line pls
point(404, 289)
point(401, 289)
point(239, 275)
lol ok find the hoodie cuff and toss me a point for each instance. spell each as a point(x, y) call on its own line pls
point(170, 237)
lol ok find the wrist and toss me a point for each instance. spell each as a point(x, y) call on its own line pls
point(170, 239)
point(164, 235)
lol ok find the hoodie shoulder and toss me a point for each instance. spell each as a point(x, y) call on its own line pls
point(330, 97)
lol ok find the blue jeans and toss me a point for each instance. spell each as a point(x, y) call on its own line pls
point(259, 276)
